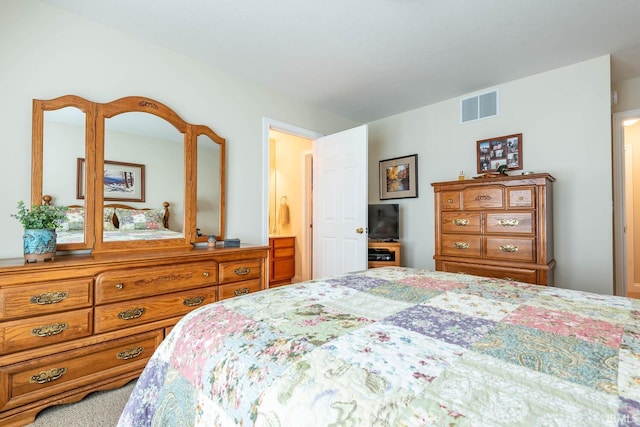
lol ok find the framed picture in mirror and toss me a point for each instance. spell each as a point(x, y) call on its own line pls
point(122, 181)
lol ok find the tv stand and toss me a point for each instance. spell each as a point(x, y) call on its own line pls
point(392, 246)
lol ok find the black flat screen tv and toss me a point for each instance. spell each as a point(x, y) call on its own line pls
point(384, 222)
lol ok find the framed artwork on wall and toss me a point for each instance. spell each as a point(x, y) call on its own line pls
point(122, 181)
point(496, 152)
point(399, 177)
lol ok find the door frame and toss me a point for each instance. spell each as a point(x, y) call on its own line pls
point(268, 125)
point(619, 205)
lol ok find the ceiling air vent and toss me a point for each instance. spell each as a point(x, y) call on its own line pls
point(479, 106)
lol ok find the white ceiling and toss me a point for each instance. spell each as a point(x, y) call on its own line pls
point(368, 59)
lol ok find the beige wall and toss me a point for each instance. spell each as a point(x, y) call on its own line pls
point(565, 118)
point(632, 137)
point(46, 52)
point(288, 182)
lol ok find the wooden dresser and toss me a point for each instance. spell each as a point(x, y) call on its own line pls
point(282, 260)
point(496, 227)
point(86, 322)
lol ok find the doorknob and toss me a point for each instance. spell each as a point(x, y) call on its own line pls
point(359, 230)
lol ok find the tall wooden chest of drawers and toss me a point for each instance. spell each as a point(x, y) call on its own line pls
point(84, 323)
point(496, 227)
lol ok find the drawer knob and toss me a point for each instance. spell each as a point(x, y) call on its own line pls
point(509, 248)
point(205, 274)
point(449, 200)
point(242, 271)
point(49, 330)
point(461, 245)
point(461, 222)
point(241, 291)
point(134, 313)
point(508, 222)
point(48, 376)
point(119, 286)
point(190, 302)
point(130, 353)
point(49, 298)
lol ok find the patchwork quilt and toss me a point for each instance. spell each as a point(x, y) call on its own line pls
point(398, 347)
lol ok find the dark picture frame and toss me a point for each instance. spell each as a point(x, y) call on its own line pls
point(399, 177)
point(502, 150)
point(122, 181)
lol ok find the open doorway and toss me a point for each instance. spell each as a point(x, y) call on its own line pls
point(626, 179)
point(287, 198)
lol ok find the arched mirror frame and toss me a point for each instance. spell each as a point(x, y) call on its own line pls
point(96, 113)
point(40, 107)
point(215, 138)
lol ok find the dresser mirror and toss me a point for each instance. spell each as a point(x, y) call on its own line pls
point(67, 126)
point(142, 177)
point(209, 192)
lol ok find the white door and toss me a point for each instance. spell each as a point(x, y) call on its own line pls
point(340, 203)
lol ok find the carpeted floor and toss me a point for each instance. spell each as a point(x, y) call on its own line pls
point(99, 409)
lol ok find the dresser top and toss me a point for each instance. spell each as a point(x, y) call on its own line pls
point(533, 178)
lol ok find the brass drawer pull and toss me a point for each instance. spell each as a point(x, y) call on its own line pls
point(49, 298)
point(241, 291)
point(449, 200)
point(190, 302)
point(242, 271)
point(508, 222)
point(131, 314)
point(130, 353)
point(509, 248)
point(461, 245)
point(460, 222)
point(205, 274)
point(49, 330)
point(119, 285)
point(48, 376)
point(481, 197)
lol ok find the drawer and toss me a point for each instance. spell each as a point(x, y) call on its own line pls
point(120, 285)
point(282, 242)
point(240, 270)
point(517, 274)
point(44, 330)
point(40, 378)
point(461, 245)
point(460, 222)
point(239, 289)
point(43, 298)
point(510, 222)
point(120, 315)
point(521, 197)
point(510, 249)
point(488, 197)
point(284, 252)
point(450, 200)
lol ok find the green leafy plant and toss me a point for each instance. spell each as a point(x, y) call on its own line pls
point(39, 216)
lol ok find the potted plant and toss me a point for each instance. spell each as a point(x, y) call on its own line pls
point(39, 224)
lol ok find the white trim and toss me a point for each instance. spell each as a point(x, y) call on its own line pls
point(619, 245)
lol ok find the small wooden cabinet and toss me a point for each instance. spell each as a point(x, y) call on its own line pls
point(392, 247)
point(84, 323)
point(282, 260)
point(496, 227)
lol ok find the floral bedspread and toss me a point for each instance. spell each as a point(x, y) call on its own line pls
point(398, 347)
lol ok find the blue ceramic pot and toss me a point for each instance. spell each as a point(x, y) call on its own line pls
point(39, 244)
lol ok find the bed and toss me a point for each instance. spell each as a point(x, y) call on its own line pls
point(120, 223)
point(397, 346)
